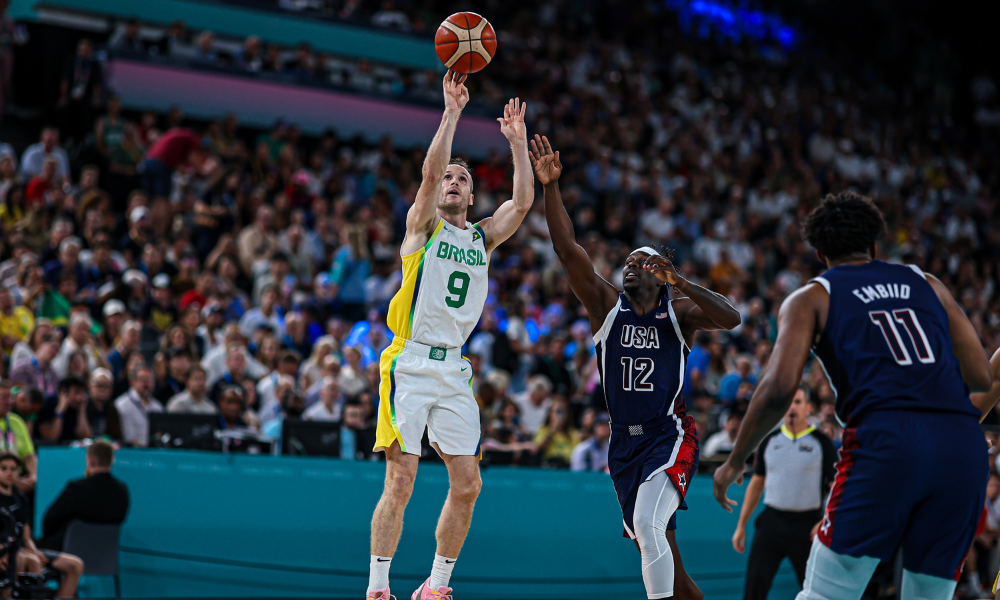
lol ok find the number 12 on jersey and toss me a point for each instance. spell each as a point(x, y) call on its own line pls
point(908, 319)
point(636, 373)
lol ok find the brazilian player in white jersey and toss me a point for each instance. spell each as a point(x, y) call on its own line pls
point(425, 380)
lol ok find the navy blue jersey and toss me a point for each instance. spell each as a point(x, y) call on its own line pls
point(641, 360)
point(886, 344)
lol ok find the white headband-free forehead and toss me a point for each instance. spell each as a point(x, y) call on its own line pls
point(646, 249)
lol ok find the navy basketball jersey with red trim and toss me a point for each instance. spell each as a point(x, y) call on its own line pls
point(641, 361)
point(886, 344)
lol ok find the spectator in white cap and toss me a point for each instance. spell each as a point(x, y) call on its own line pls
point(161, 311)
point(114, 315)
point(139, 225)
point(136, 283)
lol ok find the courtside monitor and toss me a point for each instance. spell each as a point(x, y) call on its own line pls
point(310, 438)
point(189, 431)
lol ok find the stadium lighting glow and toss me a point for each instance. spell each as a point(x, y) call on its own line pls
point(712, 18)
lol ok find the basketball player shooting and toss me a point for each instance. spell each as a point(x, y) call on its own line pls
point(425, 382)
point(643, 337)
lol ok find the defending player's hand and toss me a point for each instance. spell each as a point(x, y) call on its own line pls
point(456, 95)
point(544, 160)
point(512, 122)
point(725, 476)
point(663, 268)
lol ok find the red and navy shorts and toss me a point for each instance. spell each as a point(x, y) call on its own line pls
point(910, 479)
point(637, 452)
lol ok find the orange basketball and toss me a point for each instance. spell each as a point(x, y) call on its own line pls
point(465, 42)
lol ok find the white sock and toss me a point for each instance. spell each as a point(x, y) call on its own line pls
point(378, 576)
point(441, 571)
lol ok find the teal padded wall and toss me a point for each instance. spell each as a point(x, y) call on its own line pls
point(209, 525)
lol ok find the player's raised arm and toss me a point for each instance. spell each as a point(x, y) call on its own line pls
point(703, 309)
point(509, 215)
point(796, 330)
point(422, 216)
point(597, 295)
point(976, 369)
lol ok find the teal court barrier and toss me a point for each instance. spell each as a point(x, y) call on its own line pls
point(211, 525)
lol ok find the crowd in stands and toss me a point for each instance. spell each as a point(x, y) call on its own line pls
point(254, 55)
point(192, 267)
point(175, 267)
point(155, 264)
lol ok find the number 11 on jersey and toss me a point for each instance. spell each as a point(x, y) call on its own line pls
point(908, 319)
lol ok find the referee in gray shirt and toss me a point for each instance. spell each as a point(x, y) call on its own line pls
point(794, 470)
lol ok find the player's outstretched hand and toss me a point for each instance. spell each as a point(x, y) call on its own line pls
point(456, 95)
point(544, 160)
point(512, 121)
point(663, 268)
point(725, 476)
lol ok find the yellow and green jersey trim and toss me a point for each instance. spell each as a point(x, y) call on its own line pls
point(404, 304)
point(387, 398)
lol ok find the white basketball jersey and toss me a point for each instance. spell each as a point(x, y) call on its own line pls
point(444, 289)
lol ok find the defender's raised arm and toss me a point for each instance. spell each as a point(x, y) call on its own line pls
point(597, 295)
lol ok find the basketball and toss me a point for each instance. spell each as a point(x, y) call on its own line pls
point(465, 42)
